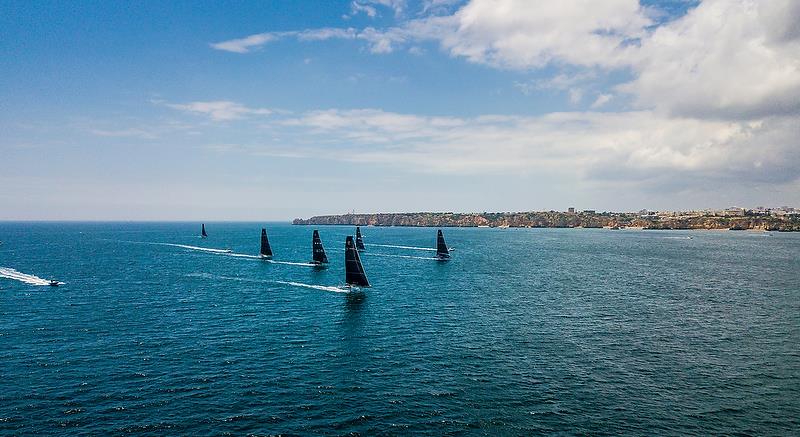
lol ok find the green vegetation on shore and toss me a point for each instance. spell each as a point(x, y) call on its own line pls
point(556, 219)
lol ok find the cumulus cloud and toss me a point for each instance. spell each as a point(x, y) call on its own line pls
point(724, 58)
point(727, 59)
point(715, 92)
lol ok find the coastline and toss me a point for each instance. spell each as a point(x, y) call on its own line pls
point(556, 219)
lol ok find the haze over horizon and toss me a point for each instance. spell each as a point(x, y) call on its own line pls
point(276, 110)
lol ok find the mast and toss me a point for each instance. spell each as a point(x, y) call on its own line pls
point(353, 269)
point(359, 240)
point(317, 251)
point(442, 252)
point(203, 230)
point(266, 251)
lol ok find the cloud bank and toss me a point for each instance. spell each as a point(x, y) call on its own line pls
point(714, 94)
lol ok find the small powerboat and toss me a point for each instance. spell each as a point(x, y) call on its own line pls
point(53, 283)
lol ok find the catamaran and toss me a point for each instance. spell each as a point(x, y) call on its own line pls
point(266, 251)
point(442, 252)
point(317, 251)
point(203, 231)
point(359, 240)
point(354, 275)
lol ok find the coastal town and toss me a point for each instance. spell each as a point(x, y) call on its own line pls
point(782, 219)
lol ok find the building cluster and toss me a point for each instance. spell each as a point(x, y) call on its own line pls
point(734, 211)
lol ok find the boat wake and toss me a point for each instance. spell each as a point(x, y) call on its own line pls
point(261, 281)
point(242, 255)
point(6, 272)
point(402, 247)
point(204, 249)
point(228, 252)
point(289, 263)
point(316, 287)
point(398, 256)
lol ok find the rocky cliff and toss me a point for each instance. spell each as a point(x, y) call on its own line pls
point(554, 219)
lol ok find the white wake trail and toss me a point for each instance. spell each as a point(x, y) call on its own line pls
point(401, 247)
point(261, 281)
point(398, 256)
point(204, 249)
point(227, 252)
point(7, 272)
point(289, 263)
point(316, 287)
point(242, 255)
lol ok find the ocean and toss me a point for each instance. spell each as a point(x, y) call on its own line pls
point(522, 332)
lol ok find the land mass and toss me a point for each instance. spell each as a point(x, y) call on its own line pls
point(739, 219)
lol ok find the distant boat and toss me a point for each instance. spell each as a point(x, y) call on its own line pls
point(203, 231)
point(266, 251)
point(614, 228)
point(53, 283)
point(359, 240)
point(353, 269)
point(317, 251)
point(442, 252)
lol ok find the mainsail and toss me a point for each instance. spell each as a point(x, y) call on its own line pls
point(266, 251)
point(441, 247)
point(359, 240)
point(317, 250)
point(203, 230)
point(353, 270)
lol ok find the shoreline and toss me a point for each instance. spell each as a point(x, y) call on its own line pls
point(555, 219)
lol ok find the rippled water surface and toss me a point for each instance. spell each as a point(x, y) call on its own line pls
point(524, 331)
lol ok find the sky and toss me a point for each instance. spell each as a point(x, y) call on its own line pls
point(272, 110)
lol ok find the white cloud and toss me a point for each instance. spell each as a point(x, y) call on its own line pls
point(725, 58)
point(220, 110)
point(369, 7)
point(601, 100)
point(729, 59)
point(633, 146)
point(575, 95)
point(322, 34)
point(717, 92)
point(437, 7)
point(246, 44)
point(525, 34)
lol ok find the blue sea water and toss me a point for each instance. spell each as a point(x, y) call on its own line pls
point(523, 332)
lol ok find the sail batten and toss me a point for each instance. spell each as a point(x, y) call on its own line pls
point(359, 239)
point(266, 250)
point(442, 252)
point(317, 251)
point(353, 269)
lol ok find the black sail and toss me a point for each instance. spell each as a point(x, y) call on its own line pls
point(266, 251)
point(359, 240)
point(441, 247)
point(353, 270)
point(203, 230)
point(317, 250)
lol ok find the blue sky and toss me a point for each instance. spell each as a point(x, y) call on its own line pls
point(274, 110)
